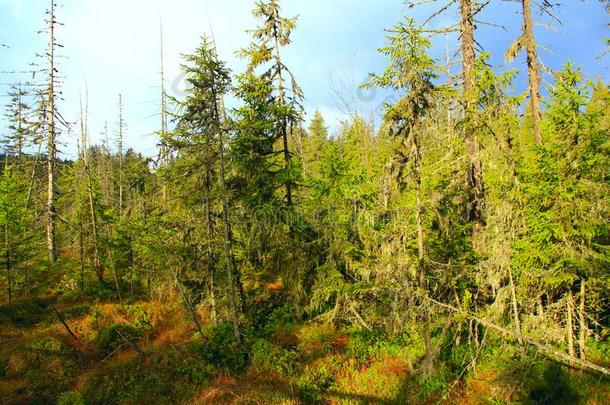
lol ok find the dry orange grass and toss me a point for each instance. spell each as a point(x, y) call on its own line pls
point(263, 389)
point(479, 388)
point(275, 287)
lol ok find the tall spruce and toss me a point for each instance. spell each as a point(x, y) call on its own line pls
point(272, 35)
point(199, 140)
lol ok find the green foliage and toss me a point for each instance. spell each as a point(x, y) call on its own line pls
point(26, 312)
point(223, 351)
point(265, 356)
point(282, 318)
point(364, 345)
point(320, 248)
point(70, 398)
point(117, 335)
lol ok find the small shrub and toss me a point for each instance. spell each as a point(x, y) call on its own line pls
point(281, 319)
point(222, 349)
point(265, 356)
point(316, 340)
point(26, 312)
point(70, 398)
point(363, 344)
point(113, 336)
point(138, 316)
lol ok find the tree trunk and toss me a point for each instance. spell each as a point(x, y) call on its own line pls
point(163, 150)
point(532, 67)
point(547, 350)
point(513, 293)
point(96, 257)
point(120, 154)
point(9, 265)
point(283, 125)
point(540, 307)
point(582, 318)
point(475, 169)
point(51, 147)
point(81, 253)
point(211, 262)
point(570, 324)
point(187, 302)
point(232, 274)
point(420, 242)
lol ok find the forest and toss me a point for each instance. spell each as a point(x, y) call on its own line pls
point(457, 252)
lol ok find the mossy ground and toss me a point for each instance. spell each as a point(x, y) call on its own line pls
point(147, 352)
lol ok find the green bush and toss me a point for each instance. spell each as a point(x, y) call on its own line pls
point(70, 398)
point(129, 380)
point(364, 344)
point(550, 384)
point(26, 312)
point(138, 316)
point(317, 379)
point(281, 318)
point(265, 356)
point(113, 336)
point(171, 375)
point(222, 349)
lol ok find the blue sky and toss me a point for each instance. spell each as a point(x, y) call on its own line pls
point(112, 47)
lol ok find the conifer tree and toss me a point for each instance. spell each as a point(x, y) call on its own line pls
point(20, 117)
point(199, 141)
point(272, 35)
point(411, 70)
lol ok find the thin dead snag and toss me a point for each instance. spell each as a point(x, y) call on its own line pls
point(532, 67)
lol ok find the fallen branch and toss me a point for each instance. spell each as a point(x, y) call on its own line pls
point(359, 318)
point(63, 321)
point(545, 349)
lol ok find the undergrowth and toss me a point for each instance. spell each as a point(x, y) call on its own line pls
point(148, 352)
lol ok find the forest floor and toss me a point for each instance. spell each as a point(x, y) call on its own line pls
point(68, 350)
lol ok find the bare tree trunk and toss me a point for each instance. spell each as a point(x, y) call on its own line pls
point(540, 307)
point(81, 253)
point(120, 153)
point(213, 312)
point(106, 170)
point(532, 67)
point(582, 318)
point(513, 292)
point(283, 129)
point(475, 169)
point(51, 147)
point(9, 265)
point(116, 280)
point(163, 150)
point(458, 334)
point(420, 240)
point(232, 274)
point(187, 302)
point(549, 351)
point(211, 261)
point(94, 233)
point(570, 324)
